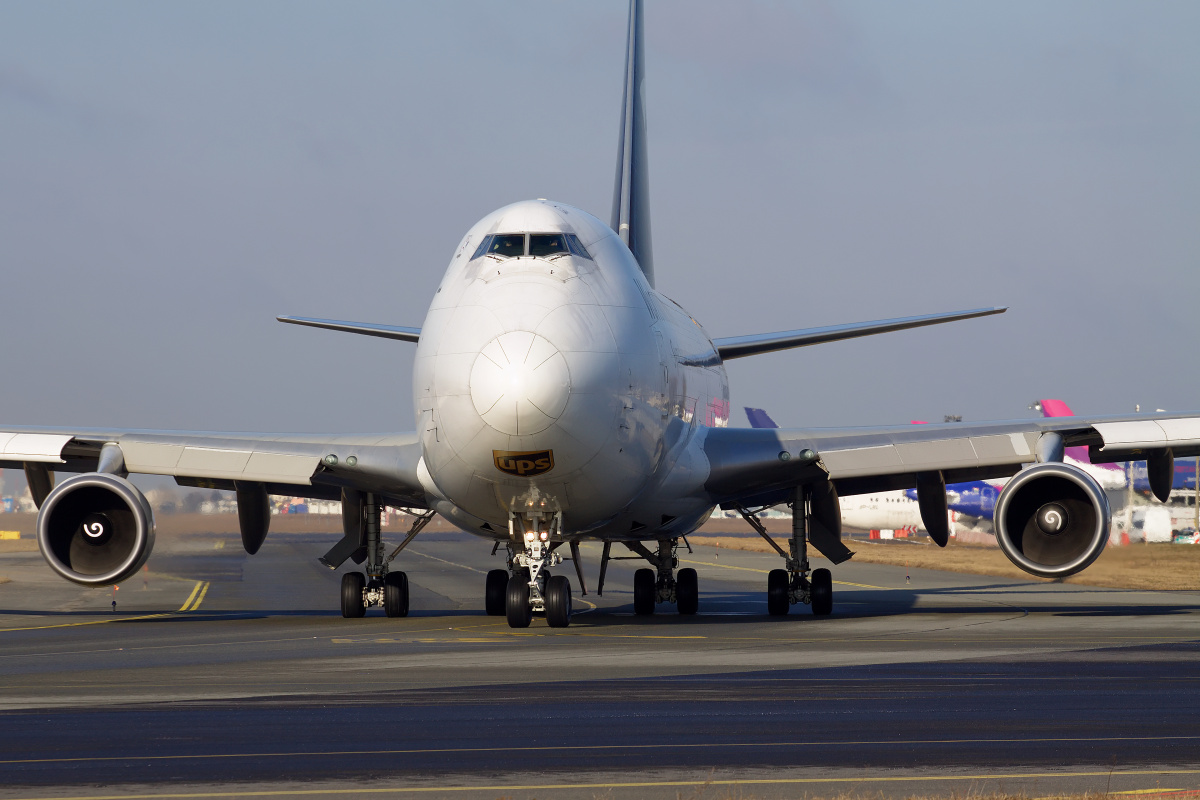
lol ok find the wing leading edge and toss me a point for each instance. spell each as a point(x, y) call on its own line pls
point(364, 328)
point(759, 343)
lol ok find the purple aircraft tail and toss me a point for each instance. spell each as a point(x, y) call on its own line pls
point(759, 419)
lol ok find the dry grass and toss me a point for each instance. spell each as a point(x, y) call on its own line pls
point(1157, 567)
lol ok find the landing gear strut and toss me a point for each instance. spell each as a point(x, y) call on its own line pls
point(530, 588)
point(792, 584)
point(379, 587)
point(661, 584)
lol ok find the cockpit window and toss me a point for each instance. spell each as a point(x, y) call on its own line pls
point(483, 247)
point(511, 245)
point(508, 245)
point(577, 247)
point(547, 244)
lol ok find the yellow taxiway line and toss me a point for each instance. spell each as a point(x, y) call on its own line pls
point(196, 597)
point(199, 591)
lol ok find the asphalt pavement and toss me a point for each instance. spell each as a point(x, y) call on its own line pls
point(224, 674)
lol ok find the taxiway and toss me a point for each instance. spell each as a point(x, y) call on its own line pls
point(226, 673)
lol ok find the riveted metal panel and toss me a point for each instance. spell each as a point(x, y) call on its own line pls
point(280, 468)
point(1133, 434)
point(862, 460)
point(1183, 429)
point(938, 454)
point(151, 458)
point(996, 449)
point(212, 463)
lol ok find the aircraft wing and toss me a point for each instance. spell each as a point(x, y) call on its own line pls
point(300, 465)
point(760, 466)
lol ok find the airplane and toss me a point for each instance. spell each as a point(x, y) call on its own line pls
point(561, 398)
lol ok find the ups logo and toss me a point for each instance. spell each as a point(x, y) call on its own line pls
point(525, 464)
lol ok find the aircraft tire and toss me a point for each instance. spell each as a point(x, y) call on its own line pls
point(558, 601)
point(395, 594)
point(352, 595)
point(644, 592)
point(516, 603)
point(495, 593)
point(822, 592)
point(778, 602)
point(687, 591)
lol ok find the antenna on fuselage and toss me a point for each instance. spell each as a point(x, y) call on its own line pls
point(631, 197)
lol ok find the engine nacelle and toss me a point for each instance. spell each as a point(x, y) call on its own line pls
point(95, 529)
point(1052, 520)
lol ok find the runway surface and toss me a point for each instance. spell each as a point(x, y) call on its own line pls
point(232, 675)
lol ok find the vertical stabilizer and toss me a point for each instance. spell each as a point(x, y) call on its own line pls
point(631, 197)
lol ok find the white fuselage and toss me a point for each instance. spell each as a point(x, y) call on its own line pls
point(563, 384)
point(882, 510)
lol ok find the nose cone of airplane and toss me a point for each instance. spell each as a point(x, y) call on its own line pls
point(520, 383)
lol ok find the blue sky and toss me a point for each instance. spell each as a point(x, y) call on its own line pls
point(173, 175)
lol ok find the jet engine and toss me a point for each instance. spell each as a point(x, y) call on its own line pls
point(1052, 520)
point(95, 529)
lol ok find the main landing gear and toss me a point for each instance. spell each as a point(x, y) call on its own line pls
point(661, 584)
point(379, 586)
point(791, 585)
point(526, 587)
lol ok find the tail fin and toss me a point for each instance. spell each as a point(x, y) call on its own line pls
point(1053, 408)
point(631, 196)
point(759, 418)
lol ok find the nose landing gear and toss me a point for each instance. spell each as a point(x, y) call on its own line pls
point(530, 588)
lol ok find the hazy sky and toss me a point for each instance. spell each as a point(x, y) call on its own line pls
point(174, 175)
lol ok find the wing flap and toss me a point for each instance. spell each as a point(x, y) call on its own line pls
point(40, 447)
point(1182, 434)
